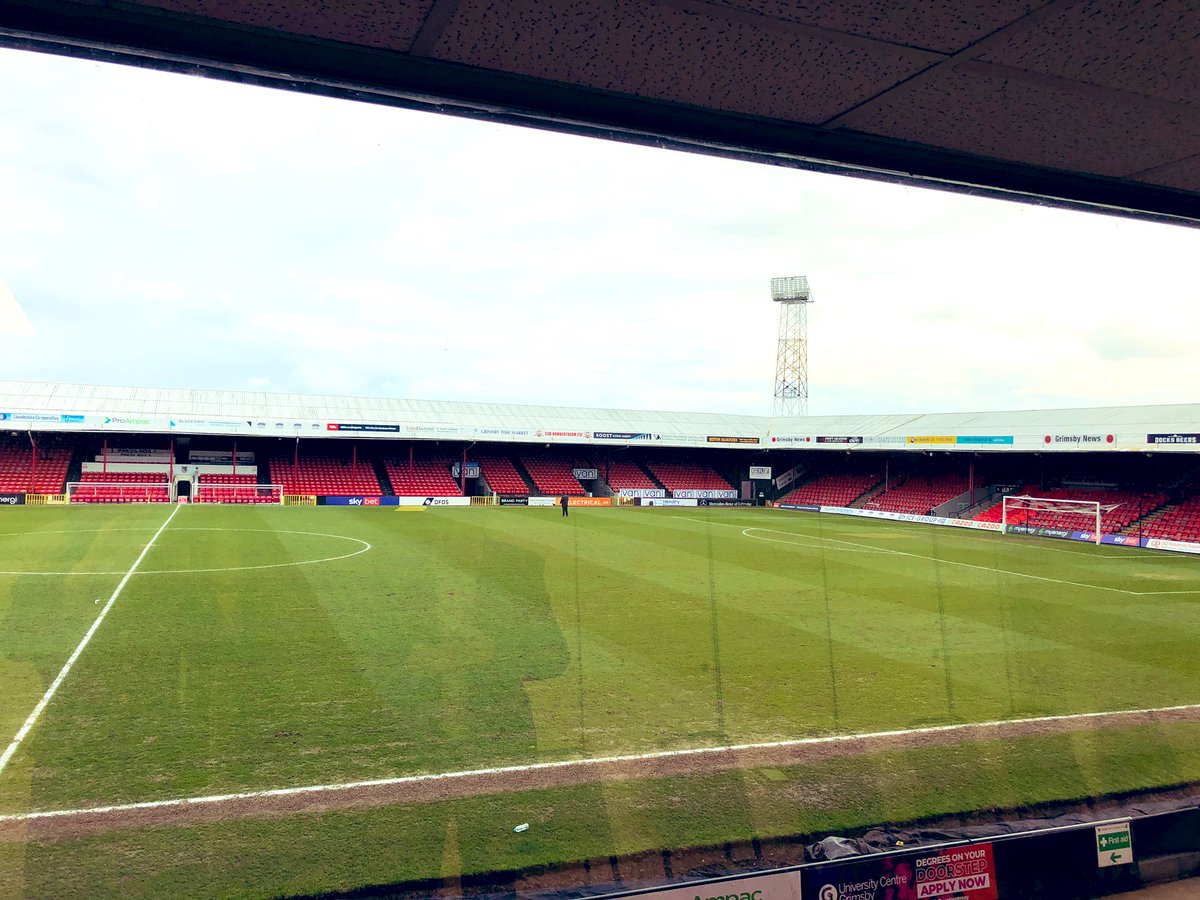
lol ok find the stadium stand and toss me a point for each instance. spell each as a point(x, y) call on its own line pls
point(422, 478)
point(552, 475)
point(833, 490)
point(325, 475)
point(1126, 508)
point(1180, 522)
point(687, 476)
point(626, 475)
point(919, 494)
point(19, 474)
point(502, 476)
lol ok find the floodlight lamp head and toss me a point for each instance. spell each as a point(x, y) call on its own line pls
point(791, 289)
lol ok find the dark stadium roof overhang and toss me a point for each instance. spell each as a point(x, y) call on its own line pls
point(1089, 103)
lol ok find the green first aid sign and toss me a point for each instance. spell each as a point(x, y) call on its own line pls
point(1114, 845)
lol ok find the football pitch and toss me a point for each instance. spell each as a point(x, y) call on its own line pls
point(302, 672)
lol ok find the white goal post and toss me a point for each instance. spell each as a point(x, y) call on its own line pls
point(1027, 513)
point(237, 493)
point(118, 492)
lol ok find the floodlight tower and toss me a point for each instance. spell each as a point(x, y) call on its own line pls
point(791, 363)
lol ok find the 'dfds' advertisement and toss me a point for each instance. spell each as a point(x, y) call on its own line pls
point(961, 873)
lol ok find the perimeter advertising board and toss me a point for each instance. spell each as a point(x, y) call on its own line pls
point(625, 436)
point(394, 501)
point(1176, 438)
point(962, 873)
point(787, 477)
point(777, 886)
point(642, 492)
point(1077, 440)
point(12, 499)
point(362, 427)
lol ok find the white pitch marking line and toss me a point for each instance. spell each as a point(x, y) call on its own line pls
point(59, 573)
point(574, 763)
point(949, 562)
point(304, 562)
point(802, 537)
point(73, 531)
point(53, 689)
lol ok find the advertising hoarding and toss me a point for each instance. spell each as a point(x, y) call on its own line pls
point(962, 873)
point(642, 492)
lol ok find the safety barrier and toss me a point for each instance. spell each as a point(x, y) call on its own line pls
point(45, 499)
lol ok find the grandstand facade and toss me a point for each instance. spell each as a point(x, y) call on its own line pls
point(89, 444)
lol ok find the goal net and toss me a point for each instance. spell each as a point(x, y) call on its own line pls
point(1050, 517)
point(117, 492)
point(238, 493)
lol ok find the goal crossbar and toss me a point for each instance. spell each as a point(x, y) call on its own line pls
point(1018, 509)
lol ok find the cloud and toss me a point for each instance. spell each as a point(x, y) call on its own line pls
point(13, 321)
point(183, 232)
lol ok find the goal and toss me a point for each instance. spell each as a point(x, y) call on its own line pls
point(117, 492)
point(1023, 514)
point(238, 493)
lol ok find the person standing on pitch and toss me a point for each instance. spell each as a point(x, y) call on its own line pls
point(563, 502)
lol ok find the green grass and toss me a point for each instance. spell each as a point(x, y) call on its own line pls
point(478, 637)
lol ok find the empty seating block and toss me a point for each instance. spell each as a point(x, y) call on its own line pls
point(1178, 523)
point(626, 475)
point(676, 476)
point(21, 474)
point(422, 478)
point(833, 490)
point(552, 475)
point(325, 476)
point(920, 494)
point(502, 476)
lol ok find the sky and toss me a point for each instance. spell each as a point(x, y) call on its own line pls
point(171, 231)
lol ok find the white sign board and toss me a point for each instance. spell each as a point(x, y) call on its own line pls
point(1114, 845)
point(781, 886)
point(760, 473)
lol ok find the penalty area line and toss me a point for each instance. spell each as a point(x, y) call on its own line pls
point(216, 799)
point(53, 689)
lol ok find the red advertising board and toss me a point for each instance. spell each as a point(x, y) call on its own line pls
point(590, 501)
point(966, 872)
